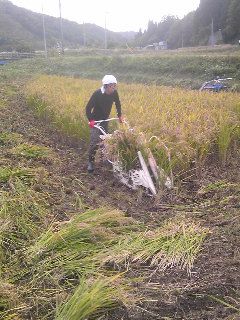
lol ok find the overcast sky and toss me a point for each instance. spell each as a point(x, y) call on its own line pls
point(121, 15)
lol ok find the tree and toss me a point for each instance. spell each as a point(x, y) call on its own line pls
point(232, 30)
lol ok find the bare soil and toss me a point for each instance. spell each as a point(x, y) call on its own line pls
point(169, 295)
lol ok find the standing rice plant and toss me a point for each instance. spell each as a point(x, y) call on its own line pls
point(224, 141)
point(187, 122)
point(71, 97)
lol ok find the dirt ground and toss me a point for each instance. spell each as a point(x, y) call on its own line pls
point(172, 294)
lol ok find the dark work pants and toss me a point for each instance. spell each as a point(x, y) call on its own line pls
point(95, 140)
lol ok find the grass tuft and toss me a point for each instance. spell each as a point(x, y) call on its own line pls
point(22, 174)
point(91, 298)
point(30, 151)
point(10, 139)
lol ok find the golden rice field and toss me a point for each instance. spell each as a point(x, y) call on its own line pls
point(191, 124)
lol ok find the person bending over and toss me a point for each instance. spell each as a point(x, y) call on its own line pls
point(99, 107)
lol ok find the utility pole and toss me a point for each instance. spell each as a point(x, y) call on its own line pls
point(84, 35)
point(105, 32)
point(61, 29)
point(212, 35)
point(44, 34)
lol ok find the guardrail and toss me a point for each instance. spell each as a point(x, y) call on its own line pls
point(19, 55)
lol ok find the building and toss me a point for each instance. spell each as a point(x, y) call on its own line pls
point(161, 45)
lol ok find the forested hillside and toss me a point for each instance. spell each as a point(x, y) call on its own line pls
point(22, 30)
point(217, 17)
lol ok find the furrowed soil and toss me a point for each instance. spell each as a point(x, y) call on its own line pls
point(212, 290)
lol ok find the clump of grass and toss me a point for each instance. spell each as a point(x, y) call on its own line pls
point(30, 151)
point(3, 104)
point(7, 173)
point(4, 227)
point(10, 139)
point(41, 108)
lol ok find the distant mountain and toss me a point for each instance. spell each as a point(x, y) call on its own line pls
point(22, 30)
point(128, 35)
point(213, 22)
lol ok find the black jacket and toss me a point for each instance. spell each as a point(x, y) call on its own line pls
point(100, 104)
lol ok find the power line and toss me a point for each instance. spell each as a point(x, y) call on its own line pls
point(61, 28)
point(44, 33)
point(105, 31)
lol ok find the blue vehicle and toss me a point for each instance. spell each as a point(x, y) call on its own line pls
point(5, 61)
point(2, 62)
point(216, 85)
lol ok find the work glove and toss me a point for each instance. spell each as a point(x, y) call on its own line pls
point(91, 123)
point(120, 118)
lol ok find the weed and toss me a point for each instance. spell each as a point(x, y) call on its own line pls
point(7, 174)
point(30, 151)
point(3, 104)
point(10, 139)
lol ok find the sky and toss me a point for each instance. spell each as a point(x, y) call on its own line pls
point(121, 15)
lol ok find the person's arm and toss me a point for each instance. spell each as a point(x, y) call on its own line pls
point(90, 106)
point(118, 104)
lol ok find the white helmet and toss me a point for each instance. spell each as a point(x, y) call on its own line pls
point(108, 78)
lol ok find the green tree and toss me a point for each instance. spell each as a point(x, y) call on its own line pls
point(232, 30)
